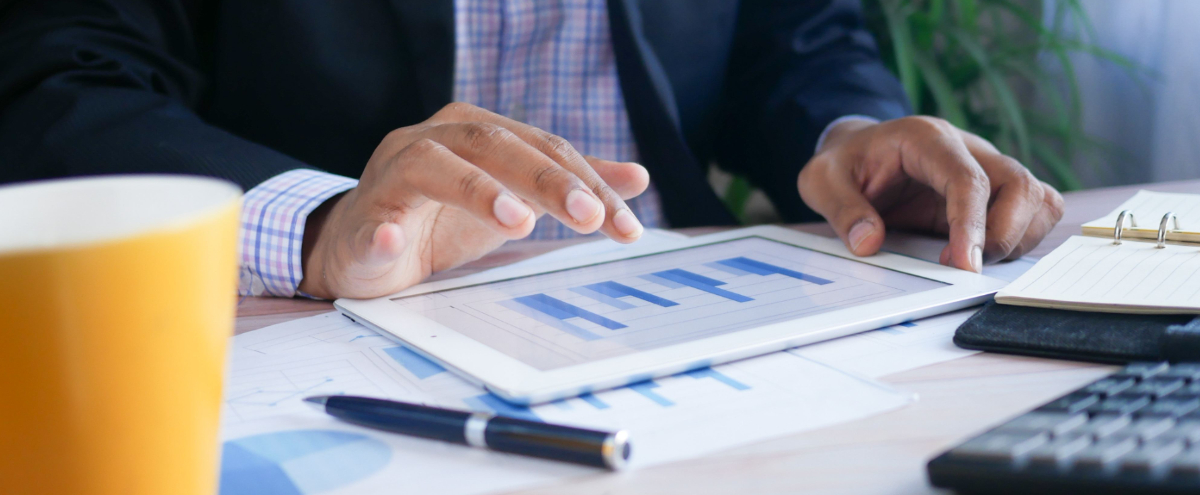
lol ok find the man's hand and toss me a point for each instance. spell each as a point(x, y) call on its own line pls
point(450, 189)
point(922, 173)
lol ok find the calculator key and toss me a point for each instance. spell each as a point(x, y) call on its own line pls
point(1187, 463)
point(1051, 422)
point(1151, 455)
point(1071, 403)
point(1104, 425)
point(1191, 389)
point(1058, 451)
point(1110, 386)
point(1104, 452)
point(1143, 370)
point(1187, 371)
point(1147, 428)
point(1173, 407)
point(1187, 430)
point(1120, 404)
point(995, 446)
point(1156, 386)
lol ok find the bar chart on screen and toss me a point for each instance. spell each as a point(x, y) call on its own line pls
point(610, 309)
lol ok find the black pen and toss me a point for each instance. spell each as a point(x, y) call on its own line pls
point(517, 436)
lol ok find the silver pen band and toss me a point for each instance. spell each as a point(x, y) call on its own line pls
point(474, 429)
point(615, 450)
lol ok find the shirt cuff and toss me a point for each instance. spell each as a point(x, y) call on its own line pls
point(272, 229)
point(839, 120)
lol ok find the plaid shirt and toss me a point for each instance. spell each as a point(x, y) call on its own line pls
point(548, 64)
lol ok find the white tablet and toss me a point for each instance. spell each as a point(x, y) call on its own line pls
point(566, 328)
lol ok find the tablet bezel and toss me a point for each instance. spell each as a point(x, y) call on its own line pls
point(520, 383)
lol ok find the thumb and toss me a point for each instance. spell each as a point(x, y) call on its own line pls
point(837, 198)
point(378, 243)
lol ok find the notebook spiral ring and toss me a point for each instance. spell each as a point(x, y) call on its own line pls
point(1162, 228)
point(1121, 225)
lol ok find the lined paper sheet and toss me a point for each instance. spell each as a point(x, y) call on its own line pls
point(1148, 208)
point(1093, 274)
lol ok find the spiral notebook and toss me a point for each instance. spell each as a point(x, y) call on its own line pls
point(1144, 257)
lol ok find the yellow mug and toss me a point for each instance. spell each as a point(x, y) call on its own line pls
point(117, 299)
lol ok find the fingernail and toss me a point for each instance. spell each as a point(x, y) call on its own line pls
point(582, 206)
point(977, 259)
point(859, 233)
point(627, 224)
point(510, 211)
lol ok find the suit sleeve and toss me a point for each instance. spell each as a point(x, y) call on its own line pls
point(796, 66)
point(111, 86)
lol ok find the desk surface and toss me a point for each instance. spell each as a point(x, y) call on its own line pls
point(880, 454)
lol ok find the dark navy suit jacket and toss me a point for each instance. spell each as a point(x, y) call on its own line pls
point(247, 89)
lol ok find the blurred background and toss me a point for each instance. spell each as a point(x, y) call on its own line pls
point(1086, 93)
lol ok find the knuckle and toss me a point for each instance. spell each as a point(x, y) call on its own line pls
point(473, 185)
point(1006, 245)
point(556, 147)
point(456, 108)
point(482, 136)
point(929, 126)
point(421, 147)
point(545, 178)
point(1053, 202)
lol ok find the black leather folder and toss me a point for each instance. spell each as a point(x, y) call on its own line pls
point(1081, 335)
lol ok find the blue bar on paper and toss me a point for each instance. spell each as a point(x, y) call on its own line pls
point(413, 362)
point(702, 283)
point(646, 389)
point(562, 310)
point(614, 289)
point(754, 266)
point(599, 297)
point(593, 401)
point(500, 407)
point(548, 320)
point(681, 275)
point(718, 376)
point(732, 270)
point(661, 281)
point(908, 324)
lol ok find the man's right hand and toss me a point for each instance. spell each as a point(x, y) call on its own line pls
point(448, 190)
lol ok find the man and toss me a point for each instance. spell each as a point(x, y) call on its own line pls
point(292, 98)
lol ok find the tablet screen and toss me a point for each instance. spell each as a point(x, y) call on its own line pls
point(594, 312)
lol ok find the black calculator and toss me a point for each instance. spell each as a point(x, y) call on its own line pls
point(1135, 431)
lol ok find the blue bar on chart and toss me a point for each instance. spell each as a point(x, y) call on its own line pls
point(737, 272)
point(760, 268)
point(718, 376)
point(601, 298)
point(650, 277)
point(646, 389)
point(489, 402)
point(415, 363)
point(534, 314)
point(562, 310)
point(613, 289)
point(701, 282)
point(593, 401)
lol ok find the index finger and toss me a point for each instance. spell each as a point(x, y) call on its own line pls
point(937, 156)
point(563, 153)
point(1018, 198)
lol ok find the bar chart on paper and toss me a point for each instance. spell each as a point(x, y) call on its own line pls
point(595, 312)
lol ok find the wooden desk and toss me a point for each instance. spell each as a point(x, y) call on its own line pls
point(880, 454)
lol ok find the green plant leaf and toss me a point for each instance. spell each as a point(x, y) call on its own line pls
point(948, 106)
point(903, 49)
point(1006, 100)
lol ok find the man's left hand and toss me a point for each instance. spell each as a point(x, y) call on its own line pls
point(922, 173)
